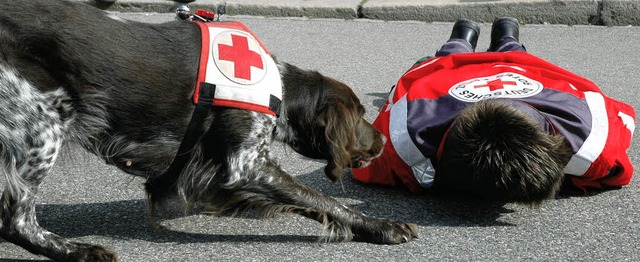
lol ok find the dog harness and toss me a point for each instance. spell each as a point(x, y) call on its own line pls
point(238, 67)
point(429, 96)
point(235, 71)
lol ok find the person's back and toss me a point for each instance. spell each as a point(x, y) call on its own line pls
point(503, 124)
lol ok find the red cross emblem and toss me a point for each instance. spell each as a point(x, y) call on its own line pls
point(496, 84)
point(501, 85)
point(242, 57)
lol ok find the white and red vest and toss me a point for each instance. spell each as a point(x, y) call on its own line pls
point(429, 96)
point(237, 63)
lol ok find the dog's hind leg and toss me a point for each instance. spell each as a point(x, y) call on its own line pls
point(32, 131)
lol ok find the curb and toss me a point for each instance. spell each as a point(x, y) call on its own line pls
point(568, 12)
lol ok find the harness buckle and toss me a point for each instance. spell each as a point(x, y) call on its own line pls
point(184, 13)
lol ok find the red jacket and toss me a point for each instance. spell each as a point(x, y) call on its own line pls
point(428, 97)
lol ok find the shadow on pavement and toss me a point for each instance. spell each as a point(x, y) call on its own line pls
point(398, 203)
point(128, 219)
point(20, 260)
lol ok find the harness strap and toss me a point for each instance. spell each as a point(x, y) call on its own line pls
point(219, 85)
point(158, 186)
point(275, 104)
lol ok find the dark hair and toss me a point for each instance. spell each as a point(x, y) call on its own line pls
point(498, 152)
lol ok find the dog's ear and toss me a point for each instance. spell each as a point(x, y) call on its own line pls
point(349, 141)
point(339, 133)
point(323, 119)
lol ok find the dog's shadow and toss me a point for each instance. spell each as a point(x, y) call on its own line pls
point(128, 219)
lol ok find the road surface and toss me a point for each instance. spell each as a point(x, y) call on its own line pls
point(88, 201)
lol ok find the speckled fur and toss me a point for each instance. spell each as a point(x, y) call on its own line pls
point(65, 77)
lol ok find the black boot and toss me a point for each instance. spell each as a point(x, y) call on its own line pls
point(501, 28)
point(467, 30)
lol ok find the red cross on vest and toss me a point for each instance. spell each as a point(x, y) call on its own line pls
point(237, 67)
point(496, 84)
point(242, 57)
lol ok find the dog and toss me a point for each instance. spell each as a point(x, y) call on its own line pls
point(72, 73)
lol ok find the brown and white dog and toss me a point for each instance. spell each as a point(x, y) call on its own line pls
point(122, 90)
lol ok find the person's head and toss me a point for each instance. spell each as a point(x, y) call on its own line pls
point(501, 150)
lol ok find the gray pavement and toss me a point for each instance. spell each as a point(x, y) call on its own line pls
point(567, 12)
point(86, 201)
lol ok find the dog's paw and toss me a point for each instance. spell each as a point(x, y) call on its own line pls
point(85, 252)
point(384, 231)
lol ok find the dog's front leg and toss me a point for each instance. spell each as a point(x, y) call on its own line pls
point(234, 169)
point(278, 191)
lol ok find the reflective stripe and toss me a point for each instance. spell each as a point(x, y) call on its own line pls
point(405, 148)
point(595, 142)
point(392, 93)
point(250, 95)
point(628, 122)
point(424, 173)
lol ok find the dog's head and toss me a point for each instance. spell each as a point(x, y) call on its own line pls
point(322, 118)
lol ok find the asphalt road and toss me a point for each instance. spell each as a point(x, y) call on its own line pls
point(88, 201)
